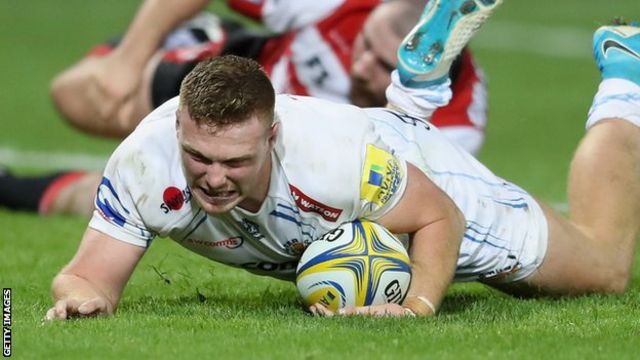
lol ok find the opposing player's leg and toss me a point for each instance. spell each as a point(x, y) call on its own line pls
point(77, 198)
point(594, 250)
point(444, 28)
point(95, 107)
point(66, 192)
point(108, 95)
point(421, 83)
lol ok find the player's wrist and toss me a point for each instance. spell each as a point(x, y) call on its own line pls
point(416, 305)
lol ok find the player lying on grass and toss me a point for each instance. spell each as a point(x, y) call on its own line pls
point(338, 50)
point(229, 159)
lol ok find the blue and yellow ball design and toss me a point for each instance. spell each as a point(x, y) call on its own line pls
point(359, 263)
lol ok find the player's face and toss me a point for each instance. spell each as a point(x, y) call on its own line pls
point(374, 57)
point(228, 167)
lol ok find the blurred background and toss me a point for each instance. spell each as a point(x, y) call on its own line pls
point(536, 56)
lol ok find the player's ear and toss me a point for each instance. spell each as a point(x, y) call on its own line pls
point(273, 132)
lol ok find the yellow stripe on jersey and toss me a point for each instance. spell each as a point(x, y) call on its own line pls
point(381, 177)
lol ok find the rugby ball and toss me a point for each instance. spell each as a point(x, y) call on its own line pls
point(357, 264)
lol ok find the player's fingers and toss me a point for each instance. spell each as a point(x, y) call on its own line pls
point(363, 310)
point(353, 310)
point(320, 310)
point(50, 315)
point(388, 310)
point(376, 310)
point(314, 310)
point(93, 307)
point(58, 311)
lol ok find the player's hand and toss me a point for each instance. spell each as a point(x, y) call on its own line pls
point(67, 308)
point(394, 310)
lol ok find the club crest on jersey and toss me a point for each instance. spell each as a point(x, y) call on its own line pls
point(296, 247)
point(381, 177)
point(252, 228)
point(307, 204)
point(174, 198)
point(108, 203)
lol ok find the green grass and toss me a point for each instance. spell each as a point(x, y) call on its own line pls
point(201, 309)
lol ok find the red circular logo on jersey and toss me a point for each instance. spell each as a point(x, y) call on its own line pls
point(173, 197)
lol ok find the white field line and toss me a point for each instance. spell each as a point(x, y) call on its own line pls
point(47, 160)
point(562, 42)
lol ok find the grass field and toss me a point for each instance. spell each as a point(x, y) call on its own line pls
point(542, 79)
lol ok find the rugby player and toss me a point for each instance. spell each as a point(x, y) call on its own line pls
point(341, 50)
point(228, 159)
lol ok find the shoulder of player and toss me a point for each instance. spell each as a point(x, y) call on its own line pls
point(321, 147)
point(319, 130)
point(304, 113)
point(148, 161)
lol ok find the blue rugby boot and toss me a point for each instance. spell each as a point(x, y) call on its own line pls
point(445, 27)
point(616, 49)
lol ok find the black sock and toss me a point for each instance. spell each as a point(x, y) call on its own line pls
point(24, 192)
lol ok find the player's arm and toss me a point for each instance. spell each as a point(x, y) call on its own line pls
point(92, 283)
point(436, 226)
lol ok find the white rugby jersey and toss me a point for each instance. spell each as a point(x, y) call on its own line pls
point(317, 183)
point(331, 163)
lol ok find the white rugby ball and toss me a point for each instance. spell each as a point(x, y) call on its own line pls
point(357, 264)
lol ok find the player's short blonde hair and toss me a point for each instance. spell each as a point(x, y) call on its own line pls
point(227, 90)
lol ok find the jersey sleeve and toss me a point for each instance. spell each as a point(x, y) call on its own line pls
point(284, 15)
point(115, 211)
point(382, 182)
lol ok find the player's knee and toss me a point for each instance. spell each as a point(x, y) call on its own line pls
point(56, 90)
point(61, 95)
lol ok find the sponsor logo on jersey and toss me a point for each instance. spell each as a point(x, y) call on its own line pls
point(270, 266)
point(230, 243)
point(307, 204)
point(252, 228)
point(173, 198)
point(382, 176)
